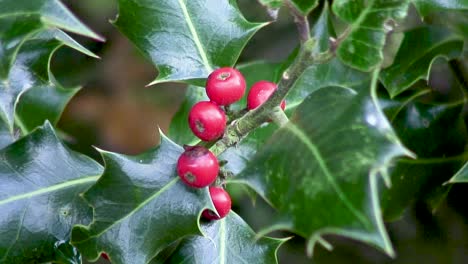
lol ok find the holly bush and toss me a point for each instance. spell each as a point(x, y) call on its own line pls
point(366, 131)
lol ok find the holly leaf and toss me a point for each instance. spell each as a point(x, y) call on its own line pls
point(317, 76)
point(426, 7)
point(229, 240)
point(305, 6)
point(140, 207)
point(273, 4)
point(5, 136)
point(19, 21)
point(184, 39)
point(421, 47)
point(41, 96)
point(39, 196)
point(422, 178)
point(370, 21)
point(461, 176)
point(328, 182)
point(323, 30)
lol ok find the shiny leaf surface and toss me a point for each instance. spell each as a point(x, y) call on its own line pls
point(5, 136)
point(370, 21)
point(417, 123)
point(426, 7)
point(39, 196)
point(185, 39)
point(420, 48)
point(227, 241)
point(328, 182)
point(140, 207)
point(19, 21)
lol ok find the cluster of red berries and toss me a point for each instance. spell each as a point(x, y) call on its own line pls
point(197, 166)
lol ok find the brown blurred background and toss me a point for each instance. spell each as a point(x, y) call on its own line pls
point(115, 111)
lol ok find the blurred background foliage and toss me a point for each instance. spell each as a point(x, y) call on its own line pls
point(116, 111)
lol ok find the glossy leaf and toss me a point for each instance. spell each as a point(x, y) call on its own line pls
point(426, 7)
point(5, 136)
point(140, 207)
point(317, 76)
point(42, 97)
point(327, 183)
point(228, 241)
point(322, 31)
point(420, 48)
point(305, 6)
point(21, 20)
point(417, 123)
point(185, 39)
point(370, 21)
point(461, 176)
point(39, 196)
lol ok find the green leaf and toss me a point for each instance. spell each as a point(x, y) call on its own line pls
point(415, 180)
point(420, 48)
point(65, 253)
point(323, 30)
point(431, 6)
point(228, 241)
point(39, 196)
point(305, 6)
point(370, 21)
point(416, 122)
point(185, 39)
point(5, 136)
point(272, 4)
point(317, 76)
point(461, 176)
point(21, 21)
point(327, 183)
point(41, 96)
point(21, 18)
point(140, 207)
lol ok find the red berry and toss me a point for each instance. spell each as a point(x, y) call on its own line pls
point(259, 94)
point(225, 86)
point(207, 121)
point(222, 203)
point(104, 256)
point(197, 167)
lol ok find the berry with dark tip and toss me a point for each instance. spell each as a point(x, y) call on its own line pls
point(207, 121)
point(225, 86)
point(197, 167)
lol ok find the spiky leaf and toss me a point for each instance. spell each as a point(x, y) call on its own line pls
point(328, 182)
point(370, 21)
point(228, 241)
point(21, 20)
point(420, 48)
point(39, 196)
point(140, 207)
point(185, 39)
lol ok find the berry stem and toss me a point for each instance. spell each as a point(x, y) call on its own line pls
point(239, 128)
point(302, 23)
